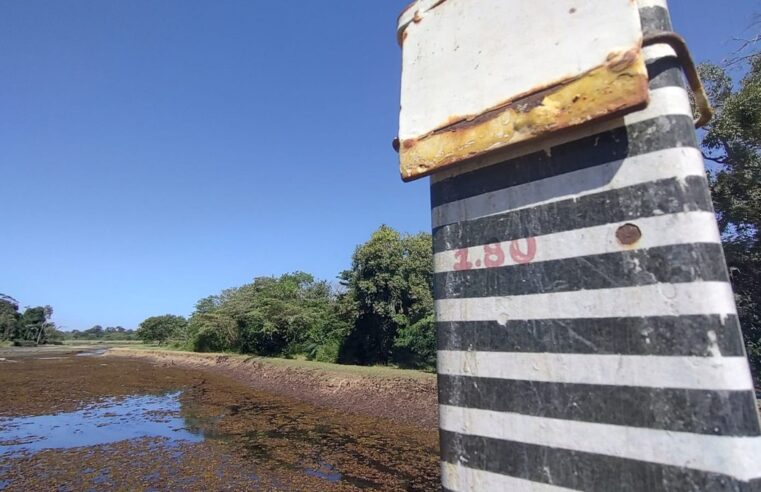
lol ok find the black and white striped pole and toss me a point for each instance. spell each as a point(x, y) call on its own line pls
point(587, 332)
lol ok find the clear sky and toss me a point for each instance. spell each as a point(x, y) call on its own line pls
point(155, 152)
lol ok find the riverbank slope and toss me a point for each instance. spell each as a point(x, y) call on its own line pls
point(404, 396)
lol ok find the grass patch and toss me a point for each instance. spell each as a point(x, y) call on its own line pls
point(103, 342)
point(152, 347)
point(385, 372)
point(372, 371)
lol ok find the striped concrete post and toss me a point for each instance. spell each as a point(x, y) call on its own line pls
point(587, 331)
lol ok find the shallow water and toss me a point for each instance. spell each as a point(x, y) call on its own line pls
point(106, 423)
point(110, 421)
point(91, 353)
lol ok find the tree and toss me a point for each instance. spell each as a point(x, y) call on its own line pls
point(207, 304)
point(9, 317)
point(733, 141)
point(388, 298)
point(33, 325)
point(161, 328)
point(95, 332)
point(286, 315)
point(211, 332)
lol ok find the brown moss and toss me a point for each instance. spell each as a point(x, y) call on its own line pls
point(254, 440)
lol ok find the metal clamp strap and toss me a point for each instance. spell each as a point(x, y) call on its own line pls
point(679, 46)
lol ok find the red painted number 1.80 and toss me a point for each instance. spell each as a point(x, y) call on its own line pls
point(494, 256)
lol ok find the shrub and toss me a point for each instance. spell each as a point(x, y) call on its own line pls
point(24, 343)
point(209, 339)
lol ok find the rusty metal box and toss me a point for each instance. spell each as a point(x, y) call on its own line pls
point(481, 75)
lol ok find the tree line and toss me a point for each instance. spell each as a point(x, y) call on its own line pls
point(97, 332)
point(31, 326)
point(381, 312)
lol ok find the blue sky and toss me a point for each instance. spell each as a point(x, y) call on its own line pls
point(155, 152)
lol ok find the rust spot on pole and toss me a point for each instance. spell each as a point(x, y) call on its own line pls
point(628, 234)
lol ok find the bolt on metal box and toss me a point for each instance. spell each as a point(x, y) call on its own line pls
point(481, 75)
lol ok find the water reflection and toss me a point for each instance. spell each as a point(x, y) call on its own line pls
point(326, 471)
point(92, 353)
point(110, 421)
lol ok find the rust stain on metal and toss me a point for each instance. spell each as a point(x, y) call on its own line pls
point(620, 84)
point(405, 9)
point(436, 4)
point(618, 62)
point(628, 234)
point(401, 32)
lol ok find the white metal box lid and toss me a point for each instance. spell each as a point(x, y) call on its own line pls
point(478, 75)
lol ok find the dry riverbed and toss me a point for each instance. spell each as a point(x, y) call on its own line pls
point(406, 397)
point(142, 420)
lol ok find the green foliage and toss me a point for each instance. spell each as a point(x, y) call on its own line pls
point(97, 332)
point(325, 351)
point(212, 332)
point(276, 316)
point(31, 327)
point(415, 344)
point(210, 339)
point(733, 142)
point(389, 300)
point(9, 317)
point(161, 328)
point(24, 343)
point(385, 314)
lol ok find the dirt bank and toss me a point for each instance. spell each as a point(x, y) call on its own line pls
point(407, 397)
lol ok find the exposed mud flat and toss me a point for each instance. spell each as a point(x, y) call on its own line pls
point(140, 425)
point(406, 397)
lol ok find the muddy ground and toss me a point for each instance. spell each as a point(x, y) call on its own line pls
point(406, 397)
point(248, 439)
